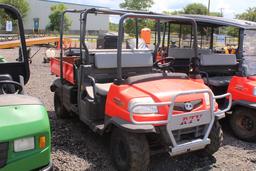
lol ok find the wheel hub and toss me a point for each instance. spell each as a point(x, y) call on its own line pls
point(247, 123)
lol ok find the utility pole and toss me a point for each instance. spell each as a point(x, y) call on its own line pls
point(209, 5)
point(221, 11)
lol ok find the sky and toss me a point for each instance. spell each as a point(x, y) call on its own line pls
point(230, 7)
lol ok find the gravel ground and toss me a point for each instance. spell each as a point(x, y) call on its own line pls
point(76, 147)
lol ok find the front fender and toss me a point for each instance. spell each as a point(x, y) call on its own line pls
point(20, 121)
point(129, 127)
point(243, 103)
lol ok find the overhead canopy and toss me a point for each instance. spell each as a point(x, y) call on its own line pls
point(220, 21)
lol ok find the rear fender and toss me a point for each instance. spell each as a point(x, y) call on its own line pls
point(56, 84)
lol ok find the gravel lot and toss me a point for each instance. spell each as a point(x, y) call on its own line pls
point(75, 147)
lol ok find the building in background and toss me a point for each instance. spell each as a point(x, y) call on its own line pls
point(37, 17)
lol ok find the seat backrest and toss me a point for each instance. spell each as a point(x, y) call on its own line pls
point(130, 59)
point(186, 53)
point(103, 63)
point(181, 53)
point(204, 51)
point(218, 60)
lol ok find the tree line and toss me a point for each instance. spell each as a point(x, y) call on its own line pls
point(194, 8)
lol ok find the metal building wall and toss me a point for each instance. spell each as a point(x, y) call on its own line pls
point(41, 9)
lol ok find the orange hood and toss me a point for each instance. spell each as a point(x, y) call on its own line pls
point(162, 90)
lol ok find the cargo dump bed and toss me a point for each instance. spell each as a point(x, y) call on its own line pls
point(68, 68)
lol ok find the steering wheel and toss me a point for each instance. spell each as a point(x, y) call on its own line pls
point(165, 64)
point(10, 87)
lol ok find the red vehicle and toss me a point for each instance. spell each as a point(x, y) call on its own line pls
point(232, 70)
point(146, 110)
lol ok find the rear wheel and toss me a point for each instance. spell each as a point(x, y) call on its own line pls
point(129, 151)
point(216, 137)
point(60, 110)
point(243, 123)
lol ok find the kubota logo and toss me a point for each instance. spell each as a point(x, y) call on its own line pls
point(188, 106)
point(191, 119)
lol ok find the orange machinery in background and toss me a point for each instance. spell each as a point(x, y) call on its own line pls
point(35, 41)
point(145, 34)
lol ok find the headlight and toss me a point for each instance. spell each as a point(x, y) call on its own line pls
point(207, 99)
point(254, 91)
point(142, 109)
point(24, 144)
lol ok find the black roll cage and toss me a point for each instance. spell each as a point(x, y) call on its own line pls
point(19, 68)
point(213, 24)
point(124, 15)
point(83, 17)
point(156, 17)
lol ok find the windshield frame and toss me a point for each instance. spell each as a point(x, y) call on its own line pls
point(138, 15)
point(248, 61)
point(251, 37)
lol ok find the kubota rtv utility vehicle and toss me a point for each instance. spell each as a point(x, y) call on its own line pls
point(229, 70)
point(146, 110)
point(24, 124)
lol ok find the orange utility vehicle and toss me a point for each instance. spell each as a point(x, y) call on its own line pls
point(228, 72)
point(145, 110)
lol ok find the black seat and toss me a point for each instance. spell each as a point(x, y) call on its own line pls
point(218, 81)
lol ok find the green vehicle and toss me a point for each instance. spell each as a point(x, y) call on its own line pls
point(24, 124)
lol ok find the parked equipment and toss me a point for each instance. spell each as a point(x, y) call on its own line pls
point(233, 72)
point(145, 34)
point(25, 142)
point(146, 110)
point(29, 42)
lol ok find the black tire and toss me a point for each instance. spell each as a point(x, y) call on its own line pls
point(243, 123)
point(216, 137)
point(129, 151)
point(60, 110)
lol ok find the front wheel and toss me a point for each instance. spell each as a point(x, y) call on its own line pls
point(243, 123)
point(216, 137)
point(129, 151)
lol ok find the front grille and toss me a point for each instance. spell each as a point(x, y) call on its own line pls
point(189, 134)
point(3, 154)
point(180, 106)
